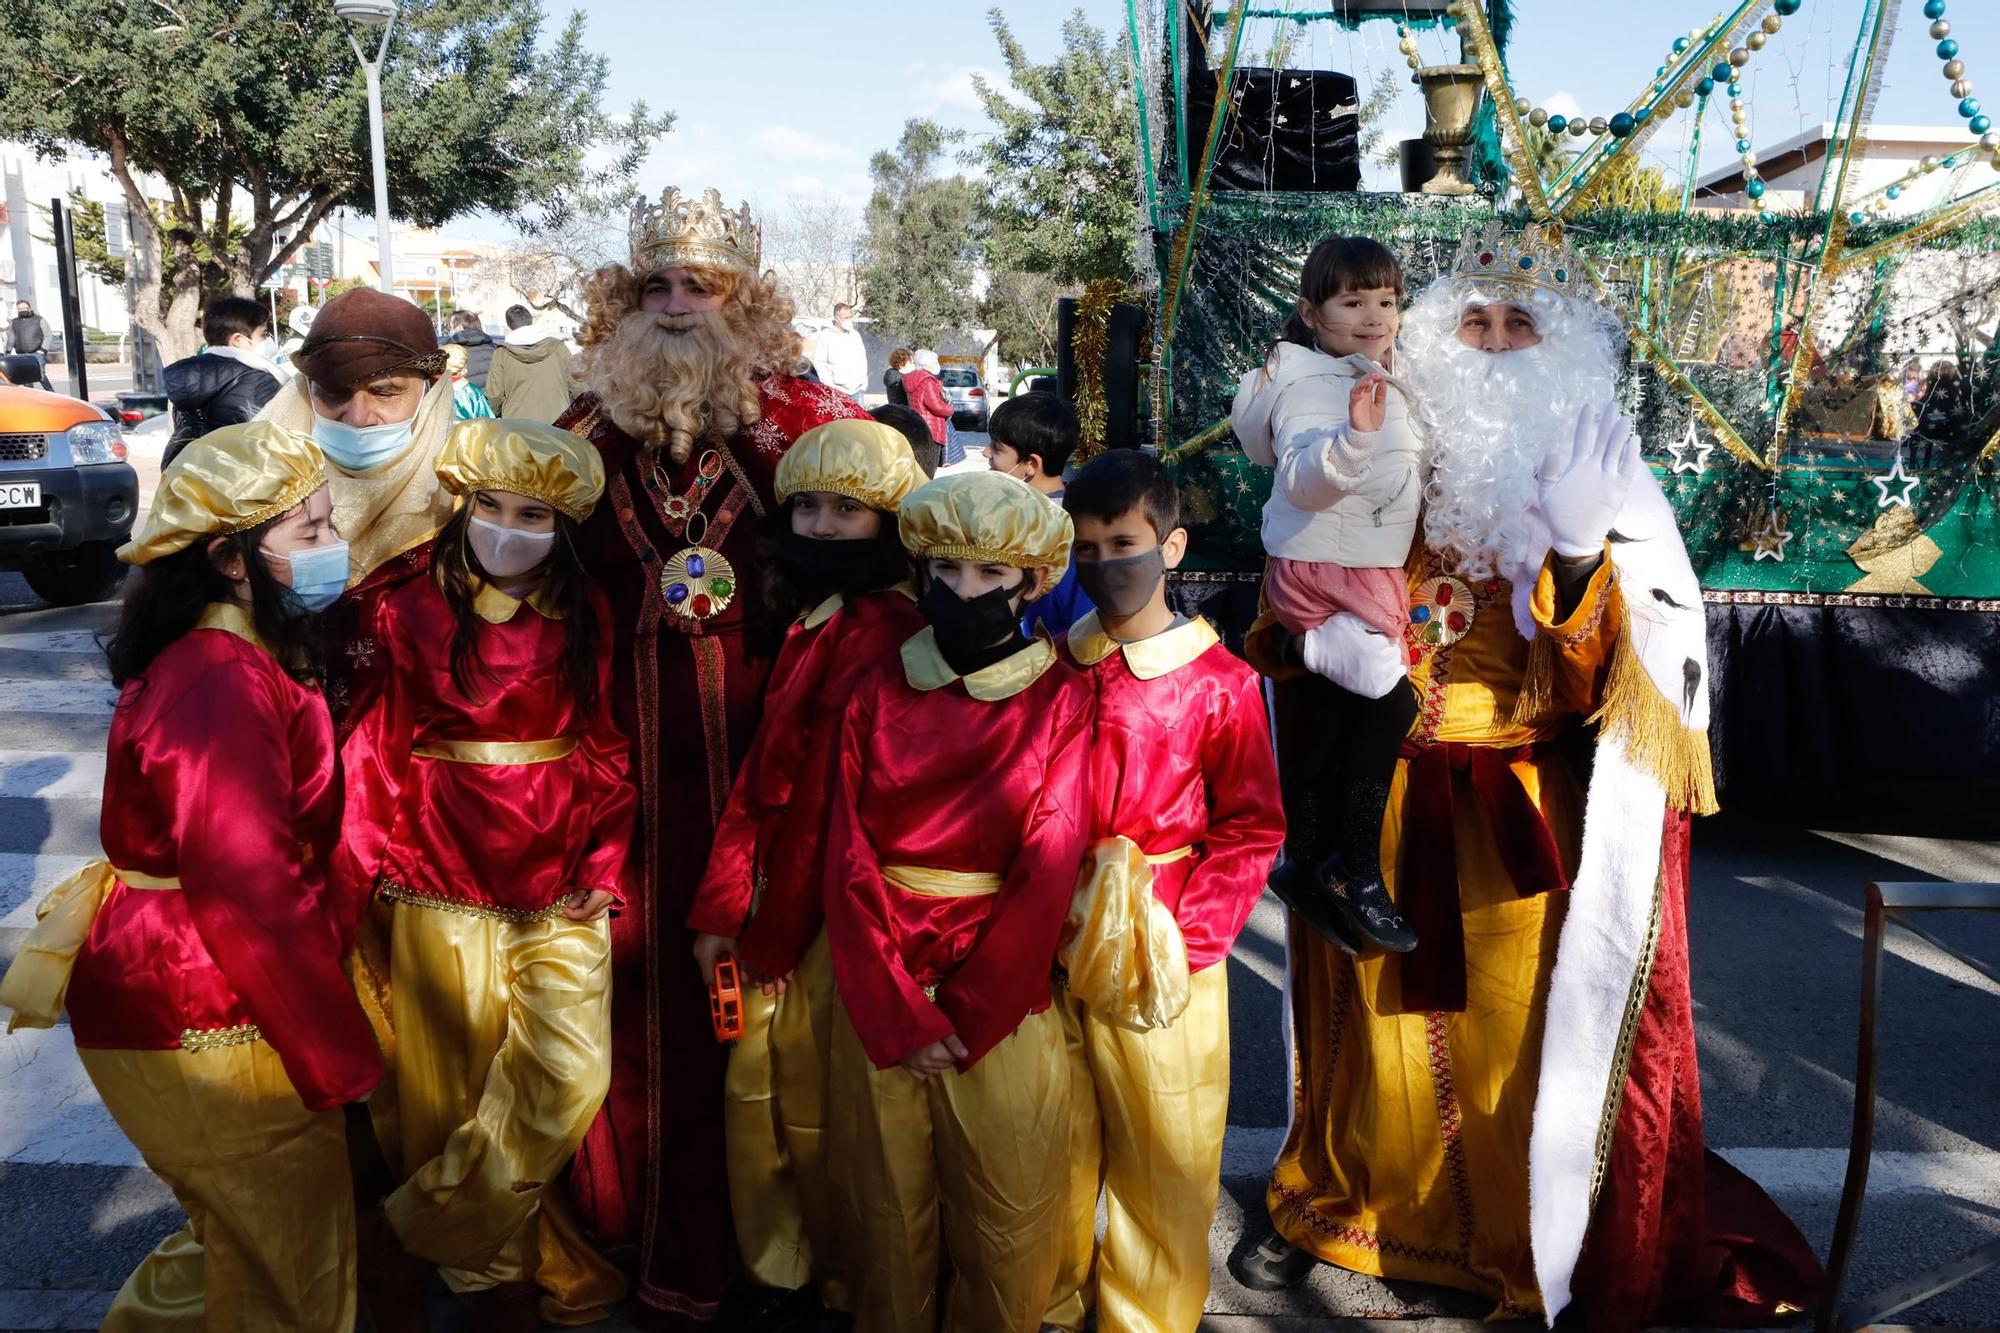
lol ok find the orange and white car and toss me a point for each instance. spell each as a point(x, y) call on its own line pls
point(67, 495)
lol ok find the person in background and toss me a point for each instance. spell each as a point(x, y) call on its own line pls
point(200, 961)
point(840, 355)
point(1030, 438)
point(228, 381)
point(530, 376)
point(28, 334)
point(906, 419)
point(299, 324)
point(467, 332)
point(926, 395)
point(467, 402)
point(892, 378)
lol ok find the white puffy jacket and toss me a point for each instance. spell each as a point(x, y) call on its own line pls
point(1341, 496)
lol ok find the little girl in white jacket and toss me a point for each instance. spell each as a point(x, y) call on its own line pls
point(1342, 434)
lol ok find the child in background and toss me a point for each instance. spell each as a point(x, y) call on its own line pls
point(1185, 823)
point(207, 998)
point(468, 400)
point(1338, 529)
point(956, 827)
point(490, 803)
point(1031, 436)
point(844, 579)
point(911, 422)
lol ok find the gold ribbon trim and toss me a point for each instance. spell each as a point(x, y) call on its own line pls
point(930, 883)
point(215, 1039)
point(1123, 952)
point(498, 752)
point(519, 916)
point(38, 981)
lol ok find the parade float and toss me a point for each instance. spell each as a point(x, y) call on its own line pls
point(1842, 518)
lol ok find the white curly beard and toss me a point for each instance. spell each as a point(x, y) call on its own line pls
point(1493, 417)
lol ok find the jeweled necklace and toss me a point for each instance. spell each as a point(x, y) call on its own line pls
point(697, 582)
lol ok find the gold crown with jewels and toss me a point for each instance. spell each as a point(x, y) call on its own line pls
point(681, 231)
point(1532, 257)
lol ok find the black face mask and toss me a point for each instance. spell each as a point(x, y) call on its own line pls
point(973, 632)
point(830, 560)
point(1122, 587)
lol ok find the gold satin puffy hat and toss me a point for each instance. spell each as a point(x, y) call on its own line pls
point(862, 460)
point(986, 516)
point(229, 480)
point(525, 457)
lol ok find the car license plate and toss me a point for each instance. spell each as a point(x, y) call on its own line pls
point(20, 495)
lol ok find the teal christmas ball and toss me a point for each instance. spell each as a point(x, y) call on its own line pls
point(1705, 87)
point(1721, 72)
point(1557, 124)
point(1742, 145)
point(1969, 107)
point(1933, 9)
point(1981, 124)
point(1755, 189)
point(1948, 49)
point(1788, 7)
point(1622, 125)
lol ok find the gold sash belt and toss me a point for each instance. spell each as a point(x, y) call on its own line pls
point(38, 980)
point(497, 752)
point(929, 883)
point(1122, 952)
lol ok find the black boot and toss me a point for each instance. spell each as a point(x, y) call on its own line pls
point(1374, 737)
point(1302, 889)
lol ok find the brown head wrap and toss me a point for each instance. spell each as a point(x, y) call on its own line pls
point(364, 333)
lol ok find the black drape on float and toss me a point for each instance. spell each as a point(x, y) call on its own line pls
point(1866, 716)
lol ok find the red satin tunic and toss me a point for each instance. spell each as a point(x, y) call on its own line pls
point(512, 836)
point(1183, 759)
point(777, 810)
point(220, 773)
point(940, 779)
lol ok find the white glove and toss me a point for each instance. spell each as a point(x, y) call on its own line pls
point(1583, 483)
point(1347, 652)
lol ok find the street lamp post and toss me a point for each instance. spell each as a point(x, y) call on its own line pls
point(374, 14)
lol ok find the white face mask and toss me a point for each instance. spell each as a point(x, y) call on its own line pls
point(508, 553)
point(266, 348)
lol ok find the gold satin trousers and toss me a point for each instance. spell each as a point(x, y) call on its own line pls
point(774, 1106)
point(1148, 1111)
point(503, 1056)
point(958, 1173)
point(269, 1240)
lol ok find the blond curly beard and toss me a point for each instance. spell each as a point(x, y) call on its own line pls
point(674, 379)
point(679, 379)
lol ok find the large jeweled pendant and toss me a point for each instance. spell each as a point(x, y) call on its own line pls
point(1441, 611)
point(698, 583)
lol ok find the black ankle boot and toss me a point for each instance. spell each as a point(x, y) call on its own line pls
point(1366, 910)
point(1306, 894)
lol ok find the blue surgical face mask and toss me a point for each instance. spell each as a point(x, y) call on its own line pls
point(319, 574)
point(359, 448)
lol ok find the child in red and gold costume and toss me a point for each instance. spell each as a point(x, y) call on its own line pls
point(845, 574)
point(1185, 823)
point(957, 823)
point(490, 804)
point(690, 409)
point(201, 958)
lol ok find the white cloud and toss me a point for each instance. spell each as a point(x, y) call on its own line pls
point(950, 90)
point(1563, 104)
point(788, 144)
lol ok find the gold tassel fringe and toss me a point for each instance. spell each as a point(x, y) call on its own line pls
point(1538, 686)
point(1648, 725)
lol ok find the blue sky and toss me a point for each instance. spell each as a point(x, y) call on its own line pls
point(787, 97)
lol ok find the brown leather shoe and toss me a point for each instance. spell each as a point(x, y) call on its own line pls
point(511, 1307)
point(392, 1280)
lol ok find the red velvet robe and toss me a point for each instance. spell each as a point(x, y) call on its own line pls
point(932, 775)
point(688, 693)
point(1182, 758)
point(777, 810)
point(220, 772)
point(515, 836)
